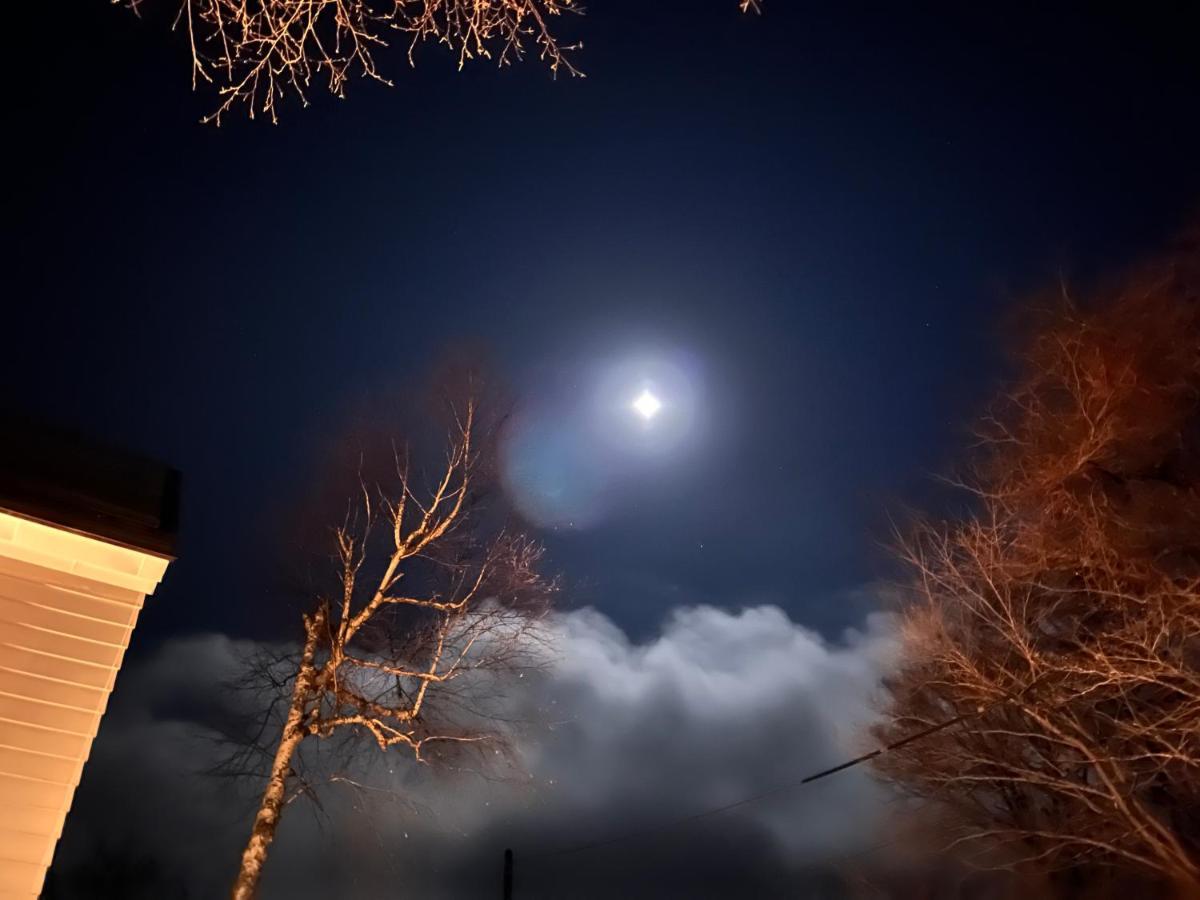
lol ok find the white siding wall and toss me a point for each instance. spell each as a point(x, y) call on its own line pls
point(68, 605)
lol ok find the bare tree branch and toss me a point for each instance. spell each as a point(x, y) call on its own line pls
point(1079, 574)
point(402, 669)
point(258, 52)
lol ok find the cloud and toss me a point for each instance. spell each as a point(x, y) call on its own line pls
point(622, 737)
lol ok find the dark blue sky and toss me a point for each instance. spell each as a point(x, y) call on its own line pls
point(830, 207)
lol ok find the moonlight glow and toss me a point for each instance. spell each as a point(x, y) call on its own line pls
point(646, 404)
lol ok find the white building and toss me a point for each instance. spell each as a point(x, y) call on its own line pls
point(86, 534)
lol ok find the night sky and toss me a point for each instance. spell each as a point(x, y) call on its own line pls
point(823, 214)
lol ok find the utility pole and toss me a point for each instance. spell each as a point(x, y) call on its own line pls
point(508, 872)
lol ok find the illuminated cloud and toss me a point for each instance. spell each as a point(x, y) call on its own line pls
point(719, 706)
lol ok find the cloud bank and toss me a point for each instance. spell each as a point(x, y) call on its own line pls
point(622, 737)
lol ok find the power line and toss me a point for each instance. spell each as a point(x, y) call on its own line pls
point(754, 798)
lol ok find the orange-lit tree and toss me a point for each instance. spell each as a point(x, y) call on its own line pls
point(1064, 614)
point(430, 611)
point(255, 52)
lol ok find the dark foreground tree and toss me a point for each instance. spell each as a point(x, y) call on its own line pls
point(255, 52)
point(1064, 616)
point(430, 611)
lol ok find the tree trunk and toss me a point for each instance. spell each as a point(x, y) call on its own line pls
point(245, 886)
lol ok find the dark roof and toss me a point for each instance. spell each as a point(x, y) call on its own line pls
point(63, 479)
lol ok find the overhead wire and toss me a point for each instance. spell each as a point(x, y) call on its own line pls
point(659, 828)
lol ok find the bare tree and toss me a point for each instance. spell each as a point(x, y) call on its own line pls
point(430, 607)
point(1064, 615)
point(255, 52)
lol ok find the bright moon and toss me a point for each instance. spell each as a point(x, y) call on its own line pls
point(646, 405)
